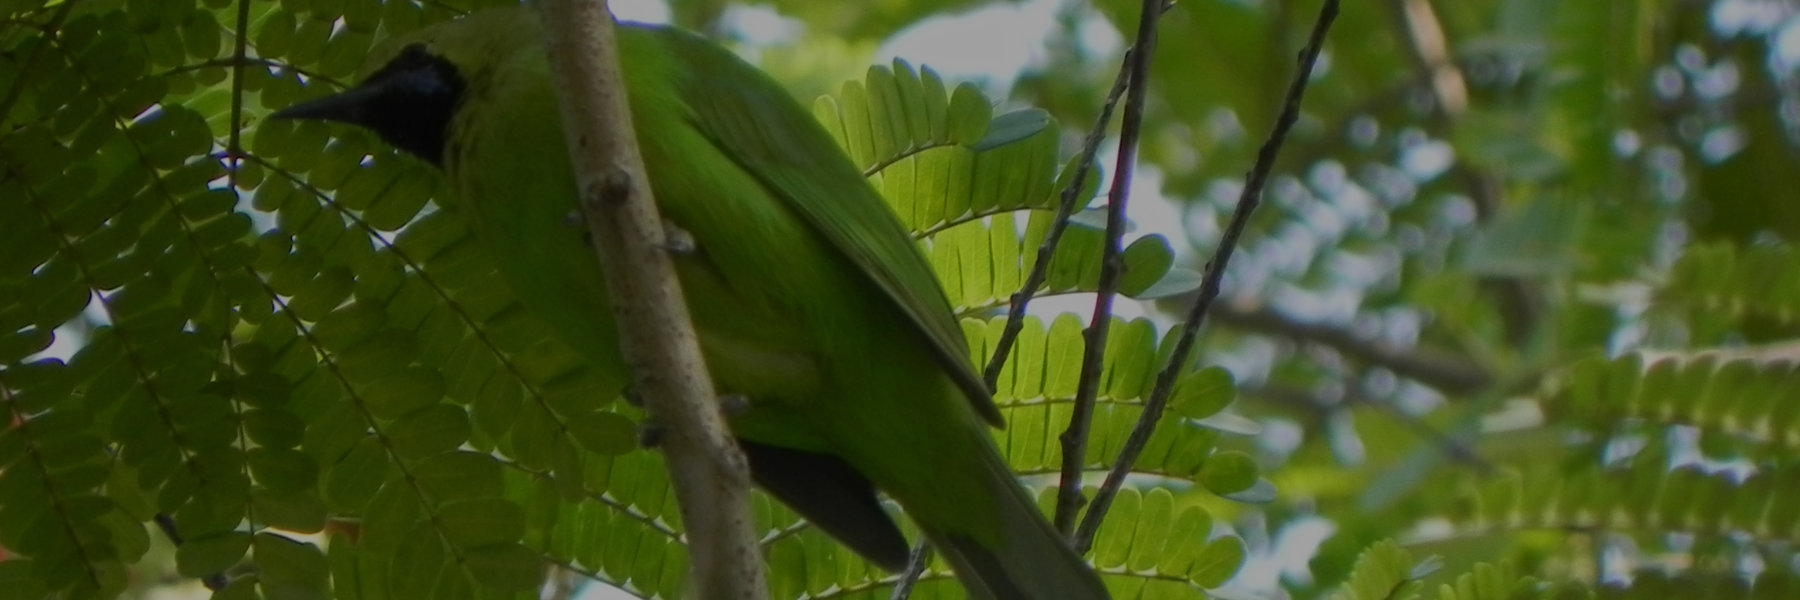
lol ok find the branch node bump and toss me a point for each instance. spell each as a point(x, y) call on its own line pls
point(613, 187)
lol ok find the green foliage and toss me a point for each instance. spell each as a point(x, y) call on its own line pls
point(1480, 199)
point(1655, 584)
point(1500, 582)
point(1037, 385)
point(1146, 534)
point(963, 182)
point(1641, 495)
point(1743, 398)
point(1717, 289)
point(288, 359)
point(1153, 548)
point(864, 21)
point(1738, 408)
point(1523, 299)
point(1383, 571)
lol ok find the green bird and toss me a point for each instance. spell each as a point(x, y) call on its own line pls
point(810, 298)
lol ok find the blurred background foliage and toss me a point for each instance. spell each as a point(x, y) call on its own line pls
point(1521, 297)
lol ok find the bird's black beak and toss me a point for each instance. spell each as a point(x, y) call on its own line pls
point(351, 106)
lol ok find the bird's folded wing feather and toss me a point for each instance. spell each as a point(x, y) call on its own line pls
point(753, 121)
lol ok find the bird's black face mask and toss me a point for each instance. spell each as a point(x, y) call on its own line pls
point(408, 103)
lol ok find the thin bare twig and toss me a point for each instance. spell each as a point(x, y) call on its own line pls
point(234, 149)
point(1015, 318)
point(1074, 439)
point(915, 568)
point(710, 475)
point(37, 51)
point(1210, 285)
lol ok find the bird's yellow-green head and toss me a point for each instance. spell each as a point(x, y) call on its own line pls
point(414, 83)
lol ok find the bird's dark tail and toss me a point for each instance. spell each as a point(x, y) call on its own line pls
point(1033, 561)
point(832, 495)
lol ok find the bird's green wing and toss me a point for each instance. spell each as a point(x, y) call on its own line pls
point(759, 126)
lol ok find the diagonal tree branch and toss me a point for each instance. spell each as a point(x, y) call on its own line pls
point(1429, 50)
point(709, 473)
point(1452, 375)
point(1316, 410)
